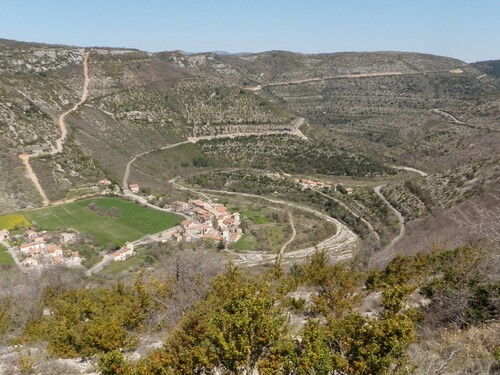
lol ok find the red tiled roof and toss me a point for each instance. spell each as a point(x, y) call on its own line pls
point(31, 244)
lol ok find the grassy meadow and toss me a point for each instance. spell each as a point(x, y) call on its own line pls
point(5, 257)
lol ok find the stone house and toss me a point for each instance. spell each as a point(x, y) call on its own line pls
point(4, 234)
point(32, 245)
point(54, 251)
point(134, 188)
point(124, 253)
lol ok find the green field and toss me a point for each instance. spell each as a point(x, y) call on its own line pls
point(246, 242)
point(133, 222)
point(5, 257)
point(257, 216)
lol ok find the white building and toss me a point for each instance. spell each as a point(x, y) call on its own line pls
point(134, 188)
point(54, 251)
point(4, 234)
point(40, 245)
point(75, 260)
point(124, 253)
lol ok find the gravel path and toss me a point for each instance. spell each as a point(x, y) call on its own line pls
point(294, 234)
point(295, 131)
point(409, 169)
point(349, 76)
point(401, 219)
point(64, 133)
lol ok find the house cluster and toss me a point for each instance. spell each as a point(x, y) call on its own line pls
point(124, 253)
point(210, 221)
point(43, 248)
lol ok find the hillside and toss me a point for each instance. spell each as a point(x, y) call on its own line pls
point(334, 167)
point(152, 117)
point(386, 102)
point(490, 67)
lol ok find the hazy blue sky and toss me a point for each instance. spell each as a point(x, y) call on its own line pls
point(468, 30)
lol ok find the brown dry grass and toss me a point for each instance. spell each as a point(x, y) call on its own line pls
point(443, 229)
point(473, 351)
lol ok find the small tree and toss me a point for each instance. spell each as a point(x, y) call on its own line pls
point(220, 245)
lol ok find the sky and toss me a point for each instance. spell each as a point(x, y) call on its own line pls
point(465, 29)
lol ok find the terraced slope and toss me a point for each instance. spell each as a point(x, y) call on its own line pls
point(361, 111)
point(386, 102)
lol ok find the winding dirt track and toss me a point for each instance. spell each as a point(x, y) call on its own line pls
point(294, 234)
point(400, 217)
point(338, 245)
point(409, 169)
point(347, 208)
point(294, 131)
point(347, 76)
point(129, 164)
point(64, 133)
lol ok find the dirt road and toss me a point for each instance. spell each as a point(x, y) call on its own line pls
point(346, 76)
point(127, 168)
point(294, 131)
point(34, 179)
point(292, 237)
point(338, 245)
point(400, 217)
point(448, 116)
point(346, 207)
point(85, 92)
point(25, 158)
point(409, 169)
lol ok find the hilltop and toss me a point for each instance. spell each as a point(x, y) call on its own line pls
point(490, 67)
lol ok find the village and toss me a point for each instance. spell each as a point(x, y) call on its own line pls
point(39, 249)
point(208, 221)
point(205, 220)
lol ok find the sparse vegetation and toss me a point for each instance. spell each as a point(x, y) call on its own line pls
point(424, 313)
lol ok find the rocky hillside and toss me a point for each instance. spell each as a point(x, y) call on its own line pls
point(490, 67)
point(368, 109)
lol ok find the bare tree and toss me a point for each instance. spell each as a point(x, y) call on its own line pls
point(482, 220)
point(191, 272)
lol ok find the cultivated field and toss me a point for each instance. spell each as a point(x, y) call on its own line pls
point(14, 221)
point(130, 222)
